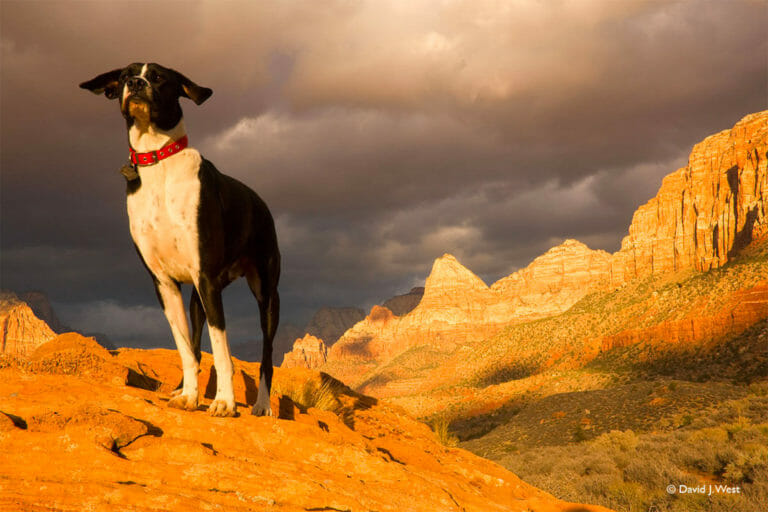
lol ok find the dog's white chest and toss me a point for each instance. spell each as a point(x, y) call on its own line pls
point(163, 216)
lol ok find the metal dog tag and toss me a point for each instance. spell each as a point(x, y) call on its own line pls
point(129, 171)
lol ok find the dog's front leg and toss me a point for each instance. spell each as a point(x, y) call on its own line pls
point(170, 297)
point(224, 402)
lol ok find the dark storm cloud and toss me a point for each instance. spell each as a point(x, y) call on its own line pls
point(381, 134)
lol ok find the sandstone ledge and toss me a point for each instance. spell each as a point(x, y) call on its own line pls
point(71, 442)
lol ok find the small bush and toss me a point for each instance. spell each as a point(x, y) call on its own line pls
point(441, 427)
point(309, 394)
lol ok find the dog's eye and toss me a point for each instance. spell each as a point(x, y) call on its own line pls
point(153, 76)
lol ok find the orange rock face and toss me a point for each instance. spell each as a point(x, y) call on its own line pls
point(71, 441)
point(308, 352)
point(556, 280)
point(748, 307)
point(706, 211)
point(20, 330)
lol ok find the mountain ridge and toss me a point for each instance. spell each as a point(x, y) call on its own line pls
point(701, 217)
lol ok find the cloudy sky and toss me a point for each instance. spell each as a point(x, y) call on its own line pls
point(382, 134)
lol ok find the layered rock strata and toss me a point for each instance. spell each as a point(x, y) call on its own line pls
point(21, 332)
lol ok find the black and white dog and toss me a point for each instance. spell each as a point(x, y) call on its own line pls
point(192, 224)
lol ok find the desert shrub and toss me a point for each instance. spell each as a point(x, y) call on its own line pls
point(580, 433)
point(308, 394)
point(650, 472)
point(759, 389)
point(441, 427)
point(617, 441)
point(628, 496)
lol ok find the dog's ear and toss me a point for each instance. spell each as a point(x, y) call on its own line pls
point(191, 90)
point(107, 83)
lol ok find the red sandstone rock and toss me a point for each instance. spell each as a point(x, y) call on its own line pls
point(706, 211)
point(746, 308)
point(72, 442)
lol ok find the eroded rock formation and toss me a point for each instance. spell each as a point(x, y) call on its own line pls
point(21, 332)
point(308, 352)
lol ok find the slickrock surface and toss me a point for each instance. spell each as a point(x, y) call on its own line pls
point(308, 352)
point(20, 330)
point(72, 441)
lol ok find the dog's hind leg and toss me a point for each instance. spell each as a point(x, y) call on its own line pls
point(210, 296)
point(197, 315)
point(263, 284)
point(170, 297)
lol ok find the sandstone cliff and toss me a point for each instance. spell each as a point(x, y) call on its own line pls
point(20, 330)
point(308, 352)
point(554, 281)
point(705, 212)
point(73, 437)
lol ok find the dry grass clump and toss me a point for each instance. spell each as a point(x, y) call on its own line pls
point(441, 427)
point(323, 395)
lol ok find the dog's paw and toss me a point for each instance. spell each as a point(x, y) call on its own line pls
point(176, 392)
point(260, 410)
point(222, 408)
point(185, 402)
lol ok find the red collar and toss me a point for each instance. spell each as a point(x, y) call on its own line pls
point(152, 157)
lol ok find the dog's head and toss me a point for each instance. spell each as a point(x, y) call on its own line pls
point(148, 93)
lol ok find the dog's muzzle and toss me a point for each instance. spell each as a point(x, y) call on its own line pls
point(136, 84)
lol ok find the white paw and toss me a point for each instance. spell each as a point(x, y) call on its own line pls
point(222, 408)
point(185, 402)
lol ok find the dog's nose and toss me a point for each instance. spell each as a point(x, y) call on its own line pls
point(136, 84)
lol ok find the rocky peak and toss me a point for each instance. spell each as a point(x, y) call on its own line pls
point(450, 278)
point(308, 352)
point(20, 330)
point(41, 306)
point(559, 277)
